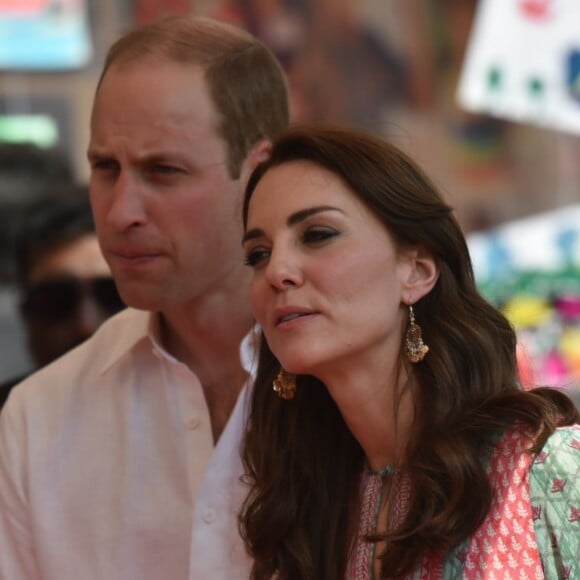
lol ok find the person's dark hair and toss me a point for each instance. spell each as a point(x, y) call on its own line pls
point(27, 172)
point(302, 463)
point(47, 224)
point(246, 82)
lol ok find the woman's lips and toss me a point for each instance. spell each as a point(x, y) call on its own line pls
point(285, 316)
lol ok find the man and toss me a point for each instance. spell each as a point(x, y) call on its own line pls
point(108, 454)
point(65, 286)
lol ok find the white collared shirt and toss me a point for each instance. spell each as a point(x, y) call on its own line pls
point(105, 455)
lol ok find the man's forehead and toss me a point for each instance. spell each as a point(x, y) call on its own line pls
point(170, 95)
point(154, 61)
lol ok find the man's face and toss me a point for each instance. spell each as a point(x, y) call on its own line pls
point(70, 292)
point(166, 210)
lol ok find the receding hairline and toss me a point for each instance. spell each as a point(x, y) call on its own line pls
point(151, 61)
point(218, 39)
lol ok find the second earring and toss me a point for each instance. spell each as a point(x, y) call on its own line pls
point(415, 348)
point(285, 385)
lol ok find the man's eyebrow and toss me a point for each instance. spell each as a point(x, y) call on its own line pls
point(153, 156)
point(292, 220)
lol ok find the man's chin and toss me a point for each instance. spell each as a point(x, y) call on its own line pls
point(138, 295)
point(142, 302)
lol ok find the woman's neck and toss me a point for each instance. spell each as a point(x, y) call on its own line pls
point(378, 414)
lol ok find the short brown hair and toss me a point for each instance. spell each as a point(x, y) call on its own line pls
point(246, 82)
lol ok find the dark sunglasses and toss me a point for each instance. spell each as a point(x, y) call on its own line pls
point(58, 299)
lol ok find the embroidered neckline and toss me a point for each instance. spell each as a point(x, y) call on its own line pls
point(377, 480)
point(381, 473)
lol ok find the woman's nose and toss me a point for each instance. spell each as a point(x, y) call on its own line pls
point(283, 270)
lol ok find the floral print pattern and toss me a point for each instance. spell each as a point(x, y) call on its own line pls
point(532, 530)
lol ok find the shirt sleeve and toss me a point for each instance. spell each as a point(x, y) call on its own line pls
point(17, 558)
point(555, 499)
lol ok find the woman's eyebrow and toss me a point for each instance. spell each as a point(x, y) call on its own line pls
point(301, 215)
point(292, 220)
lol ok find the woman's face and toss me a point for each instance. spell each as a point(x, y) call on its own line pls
point(328, 281)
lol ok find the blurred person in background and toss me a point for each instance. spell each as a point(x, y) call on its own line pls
point(120, 460)
point(27, 172)
point(65, 286)
point(339, 68)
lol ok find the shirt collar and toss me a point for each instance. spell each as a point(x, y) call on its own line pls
point(249, 349)
point(145, 326)
point(140, 327)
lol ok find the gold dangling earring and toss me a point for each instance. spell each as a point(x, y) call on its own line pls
point(285, 385)
point(415, 348)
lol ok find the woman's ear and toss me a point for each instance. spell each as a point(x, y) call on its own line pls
point(422, 274)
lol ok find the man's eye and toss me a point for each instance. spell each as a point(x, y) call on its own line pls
point(104, 165)
point(315, 235)
point(255, 257)
point(166, 169)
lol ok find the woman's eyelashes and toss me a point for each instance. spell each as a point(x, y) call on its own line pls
point(255, 256)
point(311, 237)
point(318, 235)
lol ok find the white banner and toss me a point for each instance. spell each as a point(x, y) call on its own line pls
point(523, 62)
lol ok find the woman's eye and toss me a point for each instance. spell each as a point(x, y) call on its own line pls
point(255, 257)
point(315, 235)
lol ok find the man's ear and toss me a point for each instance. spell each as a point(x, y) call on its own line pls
point(422, 274)
point(259, 152)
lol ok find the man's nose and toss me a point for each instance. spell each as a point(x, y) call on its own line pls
point(127, 208)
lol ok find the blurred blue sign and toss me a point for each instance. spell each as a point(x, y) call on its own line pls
point(44, 35)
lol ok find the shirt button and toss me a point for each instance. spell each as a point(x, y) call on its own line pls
point(193, 423)
point(209, 515)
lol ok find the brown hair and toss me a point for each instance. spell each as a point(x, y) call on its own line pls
point(246, 82)
point(302, 463)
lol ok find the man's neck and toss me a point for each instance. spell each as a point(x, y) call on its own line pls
point(208, 341)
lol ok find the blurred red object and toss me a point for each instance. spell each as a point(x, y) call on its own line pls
point(525, 368)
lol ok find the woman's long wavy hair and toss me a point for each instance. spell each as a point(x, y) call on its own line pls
point(302, 463)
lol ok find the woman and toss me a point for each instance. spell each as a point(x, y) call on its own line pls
point(388, 434)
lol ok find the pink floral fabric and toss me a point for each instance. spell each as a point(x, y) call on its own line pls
point(531, 532)
point(505, 546)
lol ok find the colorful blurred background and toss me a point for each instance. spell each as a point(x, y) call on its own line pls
point(485, 95)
